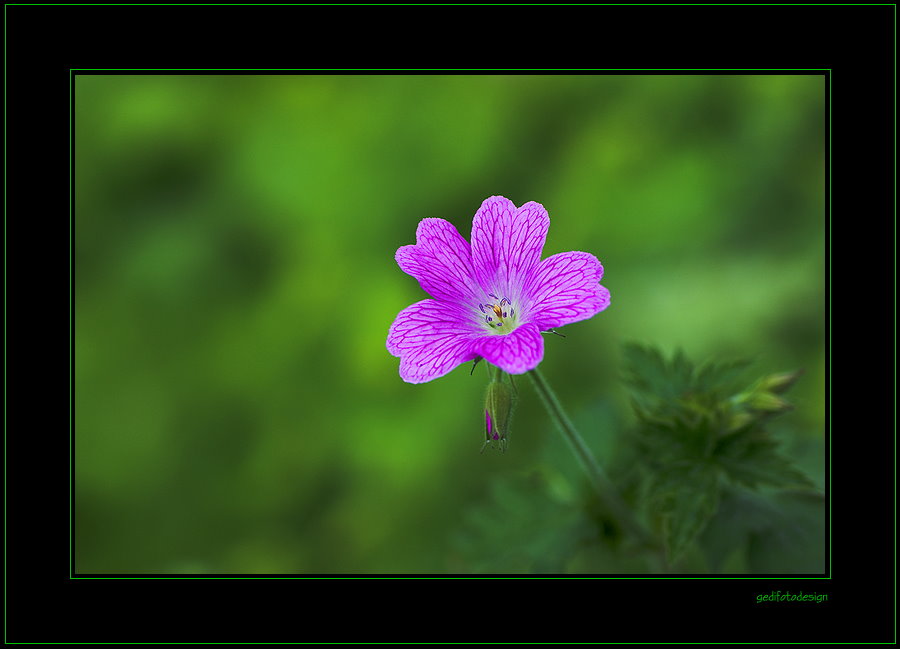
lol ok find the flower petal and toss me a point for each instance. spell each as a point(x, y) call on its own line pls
point(516, 352)
point(431, 338)
point(441, 260)
point(507, 243)
point(565, 288)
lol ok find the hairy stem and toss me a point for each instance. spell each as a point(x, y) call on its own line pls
point(604, 488)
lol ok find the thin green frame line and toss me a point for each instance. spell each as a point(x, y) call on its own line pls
point(72, 576)
point(829, 81)
point(5, 454)
point(71, 323)
point(895, 321)
point(450, 4)
point(758, 70)
point(478, 643)
point(432, 578)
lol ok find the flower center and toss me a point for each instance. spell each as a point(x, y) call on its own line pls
point(500, 316)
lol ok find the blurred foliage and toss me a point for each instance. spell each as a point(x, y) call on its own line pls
point(236, 410)
point(700, 457)
point(697, 434)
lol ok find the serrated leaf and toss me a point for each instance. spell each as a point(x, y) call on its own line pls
point(681, 372)
point(686, 500)
point(648, 373)
point(643, 363)
point(740, 513)
point(697, 430)
point(750, 458)
point(794, 542)
point(720, 378)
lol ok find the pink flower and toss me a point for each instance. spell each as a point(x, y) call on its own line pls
point(492, 298)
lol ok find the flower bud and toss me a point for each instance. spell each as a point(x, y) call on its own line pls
point(767, 402)
point(779, 383)
point(499, 403)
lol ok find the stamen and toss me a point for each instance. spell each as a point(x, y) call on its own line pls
point(494, 314)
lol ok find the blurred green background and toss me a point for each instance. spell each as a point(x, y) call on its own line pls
point(236, 409)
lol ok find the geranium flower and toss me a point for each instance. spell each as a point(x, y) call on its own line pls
point(493, 298)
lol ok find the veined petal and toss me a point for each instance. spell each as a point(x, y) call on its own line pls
point(516, 352)
point(507, 243)
point(431, 338)
point(565, 288)
point(441, 260)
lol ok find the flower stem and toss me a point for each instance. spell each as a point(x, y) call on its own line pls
point(604, 488)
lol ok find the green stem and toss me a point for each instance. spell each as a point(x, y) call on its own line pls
point(604, 488)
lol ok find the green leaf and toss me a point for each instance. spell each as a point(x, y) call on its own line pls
point(697, 431)
point(647, 373)
point(720, 378)
point(685, 500)
point(740, 513)
point(779, 533)
point(794, 542)
point(522, 527)
point(750, 457)
point(681, 372)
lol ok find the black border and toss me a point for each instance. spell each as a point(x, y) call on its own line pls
point(43, 42)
